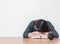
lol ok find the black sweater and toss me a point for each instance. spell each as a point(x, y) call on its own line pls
point(30, 28)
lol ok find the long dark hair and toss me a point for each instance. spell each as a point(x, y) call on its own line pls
point(41, 25)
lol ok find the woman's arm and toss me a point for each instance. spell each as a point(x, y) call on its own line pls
point(52, 29)
point(28, 30)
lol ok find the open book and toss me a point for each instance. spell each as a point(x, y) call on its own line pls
point(43, 36)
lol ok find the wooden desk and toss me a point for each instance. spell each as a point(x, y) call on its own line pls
point(16, 40)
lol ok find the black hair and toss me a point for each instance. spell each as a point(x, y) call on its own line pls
point(41, 25)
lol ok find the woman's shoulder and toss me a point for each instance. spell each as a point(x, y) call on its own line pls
point(49, 22)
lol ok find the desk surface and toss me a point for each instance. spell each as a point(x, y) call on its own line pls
point(16, 40)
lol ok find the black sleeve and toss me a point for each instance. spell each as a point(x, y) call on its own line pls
point(28, 30)
point(54, 32)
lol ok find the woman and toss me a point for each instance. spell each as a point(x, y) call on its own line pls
point(40, 28)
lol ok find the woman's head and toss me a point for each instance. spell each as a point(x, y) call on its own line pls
point(42, 25)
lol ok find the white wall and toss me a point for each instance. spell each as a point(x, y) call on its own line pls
point(15, 15)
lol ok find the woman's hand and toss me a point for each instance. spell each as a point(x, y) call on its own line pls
point(34, 34)
point(38, 34)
